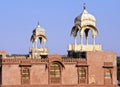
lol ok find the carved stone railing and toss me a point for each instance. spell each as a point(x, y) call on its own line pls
point(23, 61)
point(46, 60)
point(78, 60)
point(79, 47)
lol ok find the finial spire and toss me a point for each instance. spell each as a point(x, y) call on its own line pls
point(84, 6)
point(38, 24)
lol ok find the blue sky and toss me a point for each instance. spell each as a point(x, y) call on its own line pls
point(19, 17)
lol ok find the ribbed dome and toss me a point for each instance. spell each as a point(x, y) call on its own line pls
point(85, 18)
point(39, 30)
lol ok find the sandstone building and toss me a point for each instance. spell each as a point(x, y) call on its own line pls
point(86, 65)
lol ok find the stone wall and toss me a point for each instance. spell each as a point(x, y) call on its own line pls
point(94, 63)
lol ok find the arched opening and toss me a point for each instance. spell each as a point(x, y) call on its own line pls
point(74, 32)
point(88, 36)
point(55, 73)
point(88, 30)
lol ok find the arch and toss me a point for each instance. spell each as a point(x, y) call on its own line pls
point(58, 62)
point(85, 29)
point(91, 27)
point(75, 29)
point(55, 70)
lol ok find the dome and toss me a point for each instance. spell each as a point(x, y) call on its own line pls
point(85, 18)
point(39, 30)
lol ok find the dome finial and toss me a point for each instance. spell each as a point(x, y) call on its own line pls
point(38, 24)
point(84, 6)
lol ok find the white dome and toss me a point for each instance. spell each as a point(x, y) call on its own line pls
point(85, 18)
point(39, 30)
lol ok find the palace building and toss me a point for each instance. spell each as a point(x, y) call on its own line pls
point(86, 65)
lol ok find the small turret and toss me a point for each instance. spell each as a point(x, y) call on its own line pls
point(38, 36)
point(84, 23)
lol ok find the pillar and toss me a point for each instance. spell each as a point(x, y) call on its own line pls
point(81, 39)
point(36, 43)
point(93, 42)
point(93, 39)
point(75, 40)
point(74, 43)
point(86, 40)
point(33, 44)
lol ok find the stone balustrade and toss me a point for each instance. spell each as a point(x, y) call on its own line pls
point(38, 61)
point(80, 47)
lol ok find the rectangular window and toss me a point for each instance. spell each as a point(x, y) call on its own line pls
point(108, 75)
point(25, 75)
point(82, 75)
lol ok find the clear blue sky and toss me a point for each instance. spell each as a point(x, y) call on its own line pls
point(19, 17)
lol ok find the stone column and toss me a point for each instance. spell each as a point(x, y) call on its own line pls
point(75, 40)
point(93, 42)
point(86, 40)
point(81, 36)
point(33, 44)
point(93, 39)
point(81, 41)
point(74, 43)
point(36, 43)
